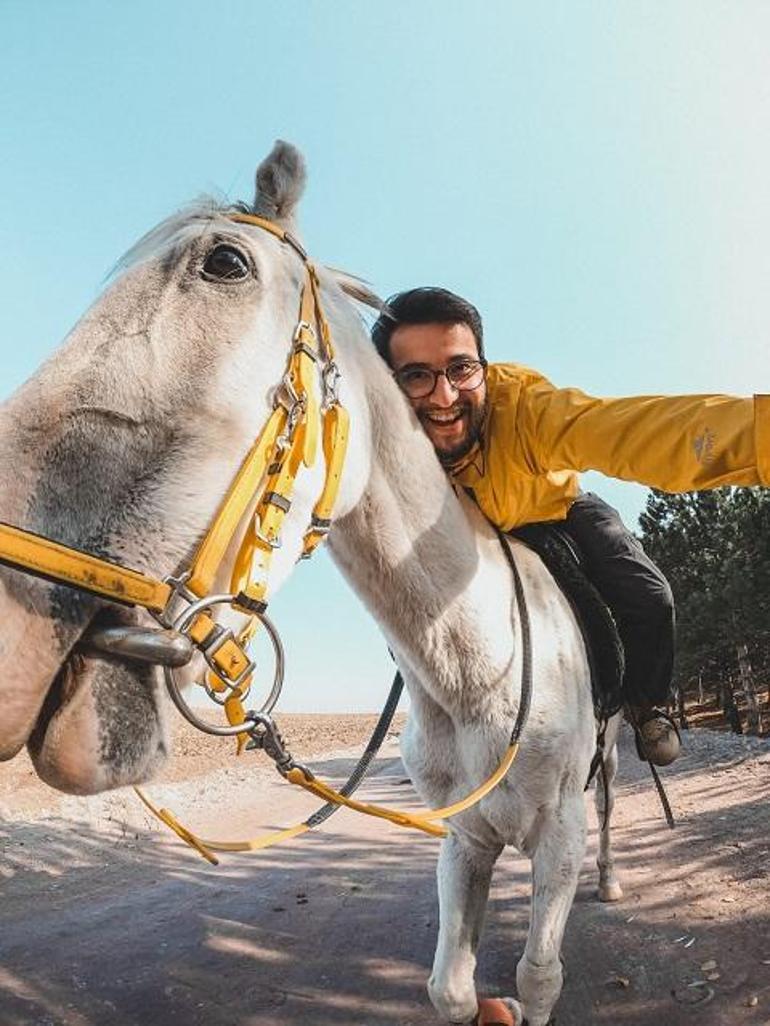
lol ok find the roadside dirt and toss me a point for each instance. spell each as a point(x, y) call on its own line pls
point(197, 755)
point(107, 919)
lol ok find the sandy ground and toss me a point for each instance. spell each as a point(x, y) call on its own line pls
point(106, 919)
point(195, 755)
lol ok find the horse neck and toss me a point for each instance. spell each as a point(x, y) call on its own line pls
point(423, 561)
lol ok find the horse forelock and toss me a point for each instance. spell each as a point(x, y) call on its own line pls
point(170, 237)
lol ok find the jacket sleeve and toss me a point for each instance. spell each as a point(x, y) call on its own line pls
point(675, 443)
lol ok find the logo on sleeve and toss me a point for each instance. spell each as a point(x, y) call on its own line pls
point(704, 447)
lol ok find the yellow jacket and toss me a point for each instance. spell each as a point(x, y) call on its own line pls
point(537, 437)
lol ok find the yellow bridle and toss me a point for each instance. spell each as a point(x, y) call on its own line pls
point(265, 481)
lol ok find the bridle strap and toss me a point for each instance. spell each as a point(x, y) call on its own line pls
point(60, 564)
point(428, 821)
point(289, 438)
point(212, 549)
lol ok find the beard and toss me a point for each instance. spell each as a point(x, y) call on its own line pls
point(474, 415)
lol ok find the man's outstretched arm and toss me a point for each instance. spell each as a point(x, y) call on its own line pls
point(675, 443)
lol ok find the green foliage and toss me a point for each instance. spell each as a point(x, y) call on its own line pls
point(714, 548)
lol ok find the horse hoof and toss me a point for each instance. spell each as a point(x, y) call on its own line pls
point(496, 1012)
point(610, 892)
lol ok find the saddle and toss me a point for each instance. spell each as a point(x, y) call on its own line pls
point(603, 645)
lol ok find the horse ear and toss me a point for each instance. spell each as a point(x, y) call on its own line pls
point(280, 183)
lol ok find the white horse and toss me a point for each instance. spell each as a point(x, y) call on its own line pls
point(124, 442)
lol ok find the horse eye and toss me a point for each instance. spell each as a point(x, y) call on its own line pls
point(225, 263)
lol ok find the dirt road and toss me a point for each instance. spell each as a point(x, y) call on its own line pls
point(107, 920)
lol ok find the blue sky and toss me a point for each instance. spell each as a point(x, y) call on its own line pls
point(594, 176)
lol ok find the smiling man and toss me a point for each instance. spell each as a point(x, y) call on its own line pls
point(506, 434)
point(450, 401)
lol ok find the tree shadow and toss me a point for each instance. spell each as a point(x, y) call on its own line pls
point(120, 924)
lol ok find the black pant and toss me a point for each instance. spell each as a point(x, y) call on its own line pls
point(636, 591)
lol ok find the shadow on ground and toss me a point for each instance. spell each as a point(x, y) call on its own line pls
point(337, 928)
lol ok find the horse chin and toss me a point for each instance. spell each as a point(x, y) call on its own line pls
point(101, 726)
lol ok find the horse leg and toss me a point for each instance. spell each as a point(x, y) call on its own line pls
point(555, 867)
point(464, 874)
point(604, 797)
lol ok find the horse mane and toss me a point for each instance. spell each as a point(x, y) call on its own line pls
point(357, 288)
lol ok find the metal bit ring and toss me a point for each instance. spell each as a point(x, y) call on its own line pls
point(225, 730)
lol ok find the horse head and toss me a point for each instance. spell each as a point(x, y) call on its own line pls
point(122, 445)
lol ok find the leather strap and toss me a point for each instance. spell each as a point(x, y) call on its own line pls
point(61, 564)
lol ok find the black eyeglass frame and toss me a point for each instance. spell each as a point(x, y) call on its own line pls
point(445, 372)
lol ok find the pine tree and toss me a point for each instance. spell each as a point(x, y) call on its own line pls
point(714, 548)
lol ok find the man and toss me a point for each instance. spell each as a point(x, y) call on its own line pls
point(507, 434)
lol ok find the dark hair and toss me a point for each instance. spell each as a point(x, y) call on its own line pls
point(426, 305)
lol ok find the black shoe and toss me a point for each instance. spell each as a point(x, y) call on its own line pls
point(657, 736)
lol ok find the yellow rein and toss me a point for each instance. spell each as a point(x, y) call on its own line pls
point(428, 822)
point(289, 439)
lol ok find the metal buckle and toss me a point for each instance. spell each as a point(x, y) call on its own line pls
point(273, 543)
point(276, 499)
point(303, 326)
point(295, 411)
point(179, 590)
point(182, 624)
point(318, 526)
point(287, 387)
point(303, 347)
point(221, 637)
point(264, 734)
point(330, 379)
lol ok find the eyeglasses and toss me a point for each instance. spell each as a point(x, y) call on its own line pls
point(420, 382)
